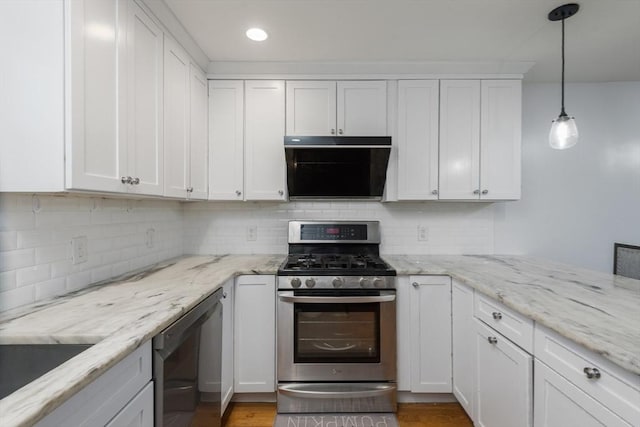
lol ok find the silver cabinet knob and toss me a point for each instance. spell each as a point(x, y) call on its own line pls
point(135, 181)
point(415, 285)
point(333, 131)
point(592, 373)
point(492, 340)
point(189, 189)
point(280, 192)
point(224, 295)
point(126, 179)
point(476, 191)
point(340, 132)
point(434, 192)
point(496, 315)
point(485, 191)
point(238, 193)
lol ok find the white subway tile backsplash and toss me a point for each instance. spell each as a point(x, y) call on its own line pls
point(50, 288)
point(7, 280)
point(33, 274)
point(8, 240)
point(19, 258)
point(17, 297)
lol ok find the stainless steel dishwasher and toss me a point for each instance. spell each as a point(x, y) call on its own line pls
point(175, 364)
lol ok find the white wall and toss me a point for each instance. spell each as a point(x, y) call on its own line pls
point(576, 203)
point(453, 228)
point(35, 249)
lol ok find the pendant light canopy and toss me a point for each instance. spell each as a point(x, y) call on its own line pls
point(564, 132)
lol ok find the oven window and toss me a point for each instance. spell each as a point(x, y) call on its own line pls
point(337, 333)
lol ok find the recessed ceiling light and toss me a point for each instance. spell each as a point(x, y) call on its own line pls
point(257, 34)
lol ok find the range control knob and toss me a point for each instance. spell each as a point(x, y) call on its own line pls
point(295, 282)
point(378, 282)
point(338, 282)
point(365, 283)
point(310, 283)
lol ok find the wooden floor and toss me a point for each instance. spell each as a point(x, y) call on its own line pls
point(409, 415)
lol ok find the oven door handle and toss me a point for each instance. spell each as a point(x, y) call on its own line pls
point(334, 300)
point(294, 390)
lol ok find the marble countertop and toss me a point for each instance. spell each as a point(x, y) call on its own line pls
point(597, 310)
point(600, 311)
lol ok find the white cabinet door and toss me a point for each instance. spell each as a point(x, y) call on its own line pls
point(227, 343)
point(265, 168)
point(430, 334)
point(464, 355)
point(418, 139)
point(176, 119)
point(362, 108)
point(459, 139)
point(504, 381)
point(559, 403)
point(403, 332)
point(255, 334)
point(198, 143)
point(311, 108)
point(144, 110)
point(226, 139)
point(96, 84)
point(138, 412)
point(500, 139)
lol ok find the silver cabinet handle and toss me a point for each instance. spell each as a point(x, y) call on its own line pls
point(496, 315)
point(415, 285)
point(434, 192)
point(126, 179)
point(492, 340)
point(476, 191)
point(485, 191)
point(592, 373)
point(280, 192)
point(340, 132)
point(135, 181)
point(189, 189)
point(333, 131)
point(238, 193)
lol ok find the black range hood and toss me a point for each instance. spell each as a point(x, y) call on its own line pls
point(336, 167)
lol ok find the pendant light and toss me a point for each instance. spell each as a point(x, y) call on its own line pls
point(564, 132)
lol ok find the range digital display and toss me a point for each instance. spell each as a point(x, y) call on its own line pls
point(333, 232)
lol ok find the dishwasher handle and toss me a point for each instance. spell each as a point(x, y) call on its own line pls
point(167, 341)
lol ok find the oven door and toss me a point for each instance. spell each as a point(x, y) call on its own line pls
point(337, 335)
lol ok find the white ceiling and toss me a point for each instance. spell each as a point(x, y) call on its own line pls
point(602, 40)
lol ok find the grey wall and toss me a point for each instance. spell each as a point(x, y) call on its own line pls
point(576, 203)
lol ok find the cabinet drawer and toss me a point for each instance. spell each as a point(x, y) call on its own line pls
point(512, 325)
point(615, 388)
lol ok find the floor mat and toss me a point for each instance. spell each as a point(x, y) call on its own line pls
point(335, 420)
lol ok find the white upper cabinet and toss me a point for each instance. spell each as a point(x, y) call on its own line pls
point(480, 139)
point(311, 108)
point(500, 139)
point(176, 119)
point(144, 107)
point(459, 139)
point(96, 88)
point(185, 125)
point(198, 140)
point(418, 139)
point(362, 108)
point(265, 168)
point(226, 140)
point(354, 108)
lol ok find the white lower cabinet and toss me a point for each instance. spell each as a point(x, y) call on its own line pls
point(254, 334)
point(559, 403)
point(227, 343)
point(427, 301)
point(121, 392)
point(463, 348)
point(504, 381)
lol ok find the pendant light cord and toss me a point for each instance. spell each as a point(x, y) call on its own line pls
point(562, 112)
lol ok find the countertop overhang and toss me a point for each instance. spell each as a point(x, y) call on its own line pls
point(597, 310)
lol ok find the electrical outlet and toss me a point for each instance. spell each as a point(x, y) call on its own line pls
point(423, 233)
point(79, 249)
point(150, 238)
point(252, 233)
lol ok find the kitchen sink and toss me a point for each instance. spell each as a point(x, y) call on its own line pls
point(22, 363)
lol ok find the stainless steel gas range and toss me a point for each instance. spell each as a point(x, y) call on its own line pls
point(336, 320)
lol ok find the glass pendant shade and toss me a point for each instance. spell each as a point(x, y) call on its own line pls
point(564, 133)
